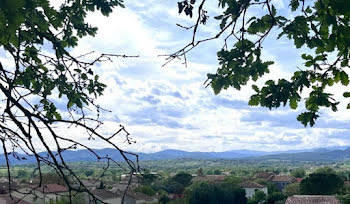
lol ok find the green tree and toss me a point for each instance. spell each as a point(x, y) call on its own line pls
point(217, 172)
point(148, 190)
point(174, 187)
point(183, 178)
point(346, 199)
point(164, 199)
point(292, 189)
point(77, 198)
point(271, 187)
point(258, 197)
point(298, 173)
point(21, 173)
point(45, 79)
point(212, 194)
point(148, 179)
point(88, 172)
point(321, 184)
point(274, 197)
point(320, 27)
point(325, 170)
point(261, 182)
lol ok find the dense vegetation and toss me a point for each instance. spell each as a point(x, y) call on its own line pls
point(174, 177)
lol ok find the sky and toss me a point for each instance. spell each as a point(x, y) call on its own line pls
point(168, 107)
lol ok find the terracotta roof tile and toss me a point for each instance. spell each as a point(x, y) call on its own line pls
point(264, 175)
point(312, 199)
point(50, 188)
point(282, 179)
point(6, 199)
point(104, 194)
point(249, 184)
point(210, 178)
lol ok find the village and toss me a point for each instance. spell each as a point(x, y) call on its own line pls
point(264, 187)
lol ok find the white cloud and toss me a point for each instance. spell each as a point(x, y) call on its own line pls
point(168, 107)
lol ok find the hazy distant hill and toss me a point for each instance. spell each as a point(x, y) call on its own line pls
point(319, 154)
point(316, 155)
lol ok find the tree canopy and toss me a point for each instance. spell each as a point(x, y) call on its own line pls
point(210, 193)
point(319, 27)
point(46, 86)
point(321, 184)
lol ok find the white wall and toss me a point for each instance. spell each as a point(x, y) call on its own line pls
point(251, 191)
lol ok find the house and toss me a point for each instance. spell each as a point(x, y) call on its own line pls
point(5, 188)
point(7, 199)
point(89, 184)
point(112, 198)
point(135, 181)
point(42, 194)
point(141, 198)
point(116, 198)
point(217, 179)
point(281, 181)
point(251, 187)
point(312, 199)
point(264, 175)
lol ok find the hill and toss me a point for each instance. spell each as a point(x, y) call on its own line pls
point(319, 154)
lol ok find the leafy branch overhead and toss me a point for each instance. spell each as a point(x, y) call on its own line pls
point(44, 74)
point(320, 27)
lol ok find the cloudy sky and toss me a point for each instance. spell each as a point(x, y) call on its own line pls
point(168, 107)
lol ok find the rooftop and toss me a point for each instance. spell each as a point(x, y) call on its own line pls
point(210, 178)
point(6, 199)
point(139, 196)
point(264, 175)
point(282, 178)
point(249, 184)
point(312, 199)
point(50, 188)
point(104, 194)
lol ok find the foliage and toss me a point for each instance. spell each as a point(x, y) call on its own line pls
point(77, 198)
point(148, 190)
point(233, 180)
point(212, 194)
point(325, 170)
point(51, 177)
point(173, 187)
point(292, 189)
point(271, 187)
point(217, 172)
point(183, 178)
point(258, 197)
point(88, 172)
point(261, 182)
point(298, 173)
point(164, 199)
point(320, 27)
point(274, 197)
point(148, 179)
point(46, 86)
point(345, 199)
point(321, 184)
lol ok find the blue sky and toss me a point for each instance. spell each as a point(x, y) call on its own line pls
point(168, 107)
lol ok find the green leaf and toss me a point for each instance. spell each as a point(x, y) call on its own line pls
point(255, 88)
point(254, 100)
point(344, 78)
point(293, 103)
point(70, 104)
point(346, 94)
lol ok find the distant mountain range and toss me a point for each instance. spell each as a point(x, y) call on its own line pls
point(317, 154)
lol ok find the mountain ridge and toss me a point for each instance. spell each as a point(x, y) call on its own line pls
point(315, 154)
